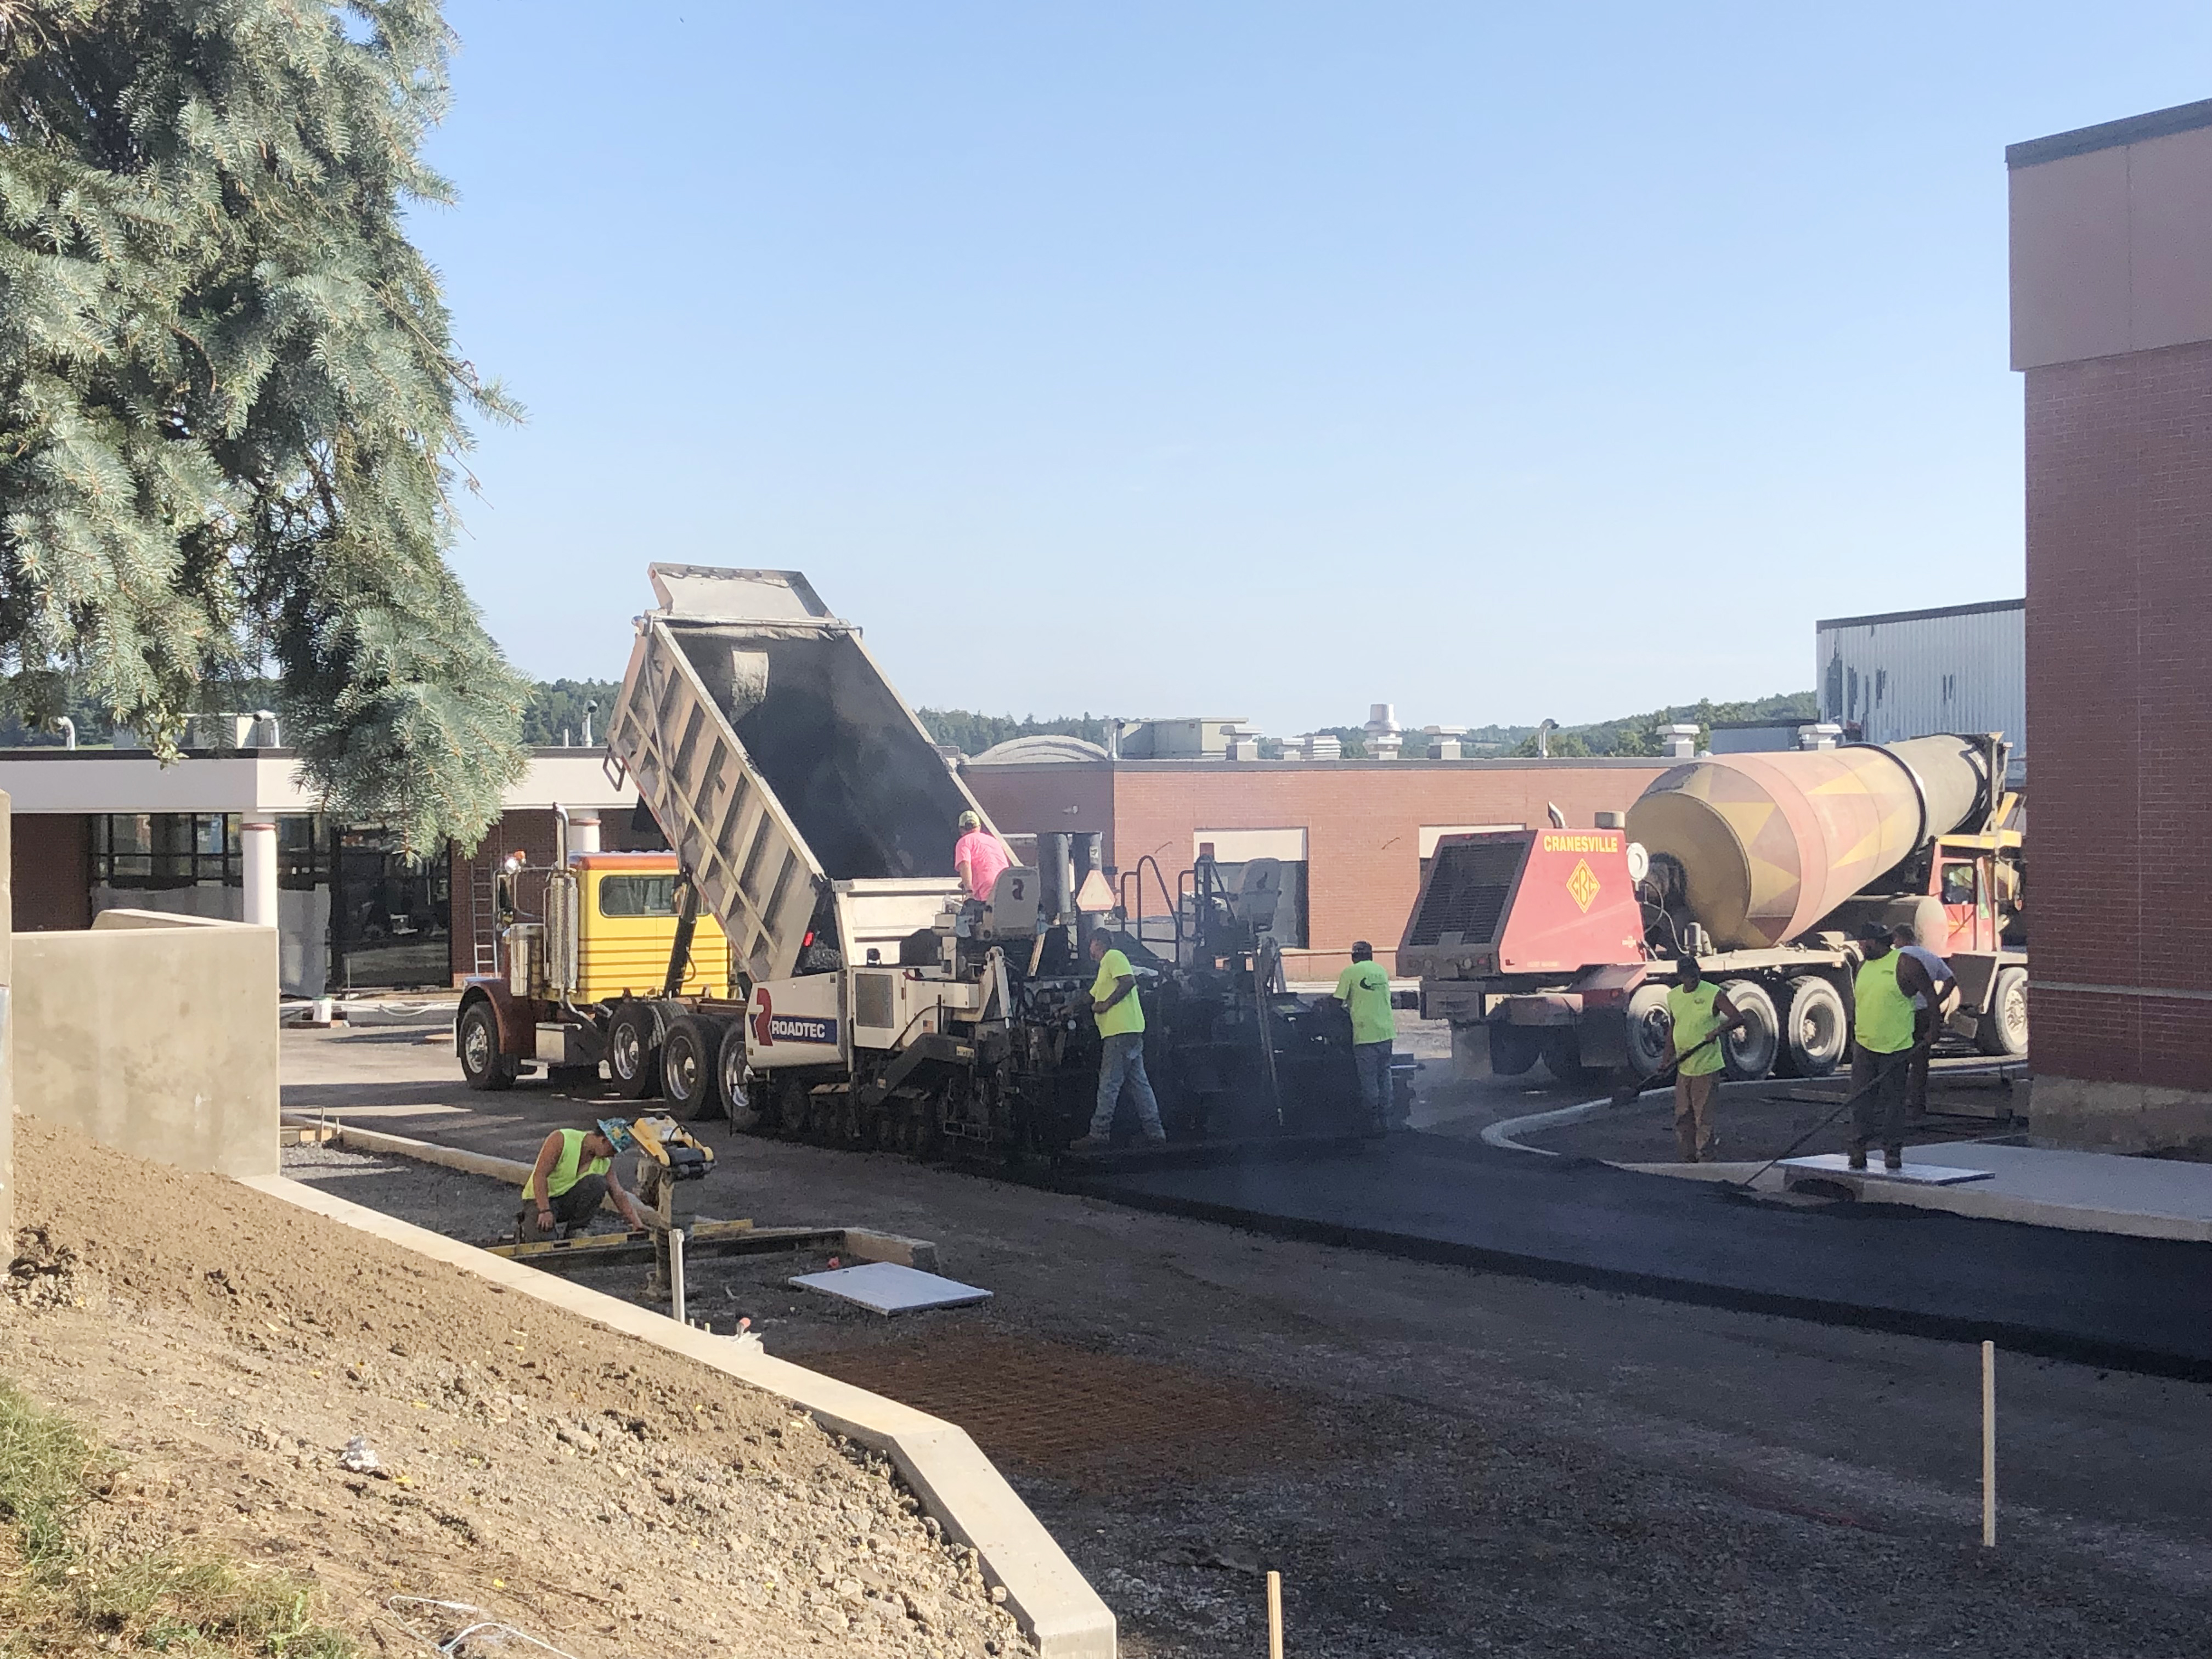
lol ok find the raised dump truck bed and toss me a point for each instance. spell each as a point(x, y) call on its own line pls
point(865, 999)
point(776, 756)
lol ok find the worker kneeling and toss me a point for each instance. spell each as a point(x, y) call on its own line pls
point(575, 1170)
point(1120, 1019)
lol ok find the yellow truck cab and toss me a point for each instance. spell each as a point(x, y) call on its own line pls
point(625, 923)
point(589, 979)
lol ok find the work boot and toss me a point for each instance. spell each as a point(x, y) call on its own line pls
point(1858, 1158)
point(1893, 1158)
point(656, 1289)
point(1092, 1143)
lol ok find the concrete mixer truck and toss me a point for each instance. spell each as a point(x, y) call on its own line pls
point(1558, 944)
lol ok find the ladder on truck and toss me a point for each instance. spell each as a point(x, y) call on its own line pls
point(483, 910)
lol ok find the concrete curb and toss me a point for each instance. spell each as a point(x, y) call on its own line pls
point(955, 1481)
point(1500, 1134)
point(511, 1169)
point(862, 1242)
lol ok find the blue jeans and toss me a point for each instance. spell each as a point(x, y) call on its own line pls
point(1124, 1060)
point(1372, 1061)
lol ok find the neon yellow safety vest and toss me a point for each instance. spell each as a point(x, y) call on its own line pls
point(1884, 1017)
point(1694, 1020)
point(1127, 1014)
point(566, 1172)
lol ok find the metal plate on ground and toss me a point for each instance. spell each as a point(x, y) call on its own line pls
point(1913, 1175)
point(885, 1287)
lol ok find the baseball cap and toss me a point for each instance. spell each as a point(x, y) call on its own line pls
point(971, 821)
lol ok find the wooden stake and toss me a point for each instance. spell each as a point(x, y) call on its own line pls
point(1989, 1445)
point(1274, 1615)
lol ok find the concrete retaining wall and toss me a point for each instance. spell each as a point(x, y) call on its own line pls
point(153, 1034)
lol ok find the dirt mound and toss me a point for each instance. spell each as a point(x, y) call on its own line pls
point(603, 1496)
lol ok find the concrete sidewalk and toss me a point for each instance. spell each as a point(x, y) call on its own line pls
point(2080, 1192)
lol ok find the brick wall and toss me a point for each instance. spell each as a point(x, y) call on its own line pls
point(2119, 595)
point(50, 866)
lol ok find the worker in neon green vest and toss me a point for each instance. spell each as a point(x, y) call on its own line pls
point(1699, 1018)
point(1882, 1046)
point(1120, 1020)
point(575, 1170)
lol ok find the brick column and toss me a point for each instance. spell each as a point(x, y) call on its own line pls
point(2111, 281)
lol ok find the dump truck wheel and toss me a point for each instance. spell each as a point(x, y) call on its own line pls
point(2001, 1033)
point(1816, 1032)
point(736, 1078)
point(690, 1058)
point(1513, 1049)
point(476, 1038)
point(1749, 1053)
point(633, 1052)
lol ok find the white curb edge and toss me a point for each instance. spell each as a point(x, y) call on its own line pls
point(955, 1481)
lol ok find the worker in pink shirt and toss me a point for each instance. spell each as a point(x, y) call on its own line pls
point(978, 857)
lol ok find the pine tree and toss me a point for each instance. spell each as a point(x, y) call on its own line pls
point(230, 402)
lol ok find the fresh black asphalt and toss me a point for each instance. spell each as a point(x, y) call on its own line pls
point(2134, 1303)
point(2137, 1304)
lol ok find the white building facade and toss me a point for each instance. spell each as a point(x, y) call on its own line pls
point(233, 835)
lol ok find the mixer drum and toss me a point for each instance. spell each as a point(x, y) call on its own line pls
point(1770, 843)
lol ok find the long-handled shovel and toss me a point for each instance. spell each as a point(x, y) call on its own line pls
point(1849, 1101)
point(1625, 1093)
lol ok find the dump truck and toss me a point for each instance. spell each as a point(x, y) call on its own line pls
point(1558, 944)
point(821, 974)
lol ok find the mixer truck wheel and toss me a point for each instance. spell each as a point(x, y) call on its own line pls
point(633, 1052)
point(2001, 1033)
point(1749, 1053)
point(1563, 1057)
point(735, 1077)
point(1649, 1025)
point(1816, 1033)
point(1513, 1049)
point(690, 1061)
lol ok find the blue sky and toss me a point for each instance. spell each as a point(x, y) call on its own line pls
point(1261, 360)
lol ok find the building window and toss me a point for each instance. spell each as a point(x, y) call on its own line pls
point(1239, 856)
point(158, 850)
point(303, 860)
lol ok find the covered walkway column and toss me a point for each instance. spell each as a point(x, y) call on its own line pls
point(257, 844)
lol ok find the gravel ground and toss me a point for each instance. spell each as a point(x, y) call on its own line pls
point(1445, 1462)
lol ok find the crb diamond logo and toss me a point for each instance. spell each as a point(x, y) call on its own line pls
point(1581, 886)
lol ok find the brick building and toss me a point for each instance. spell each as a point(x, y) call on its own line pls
point(1351, 834)
point(2112, 324)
